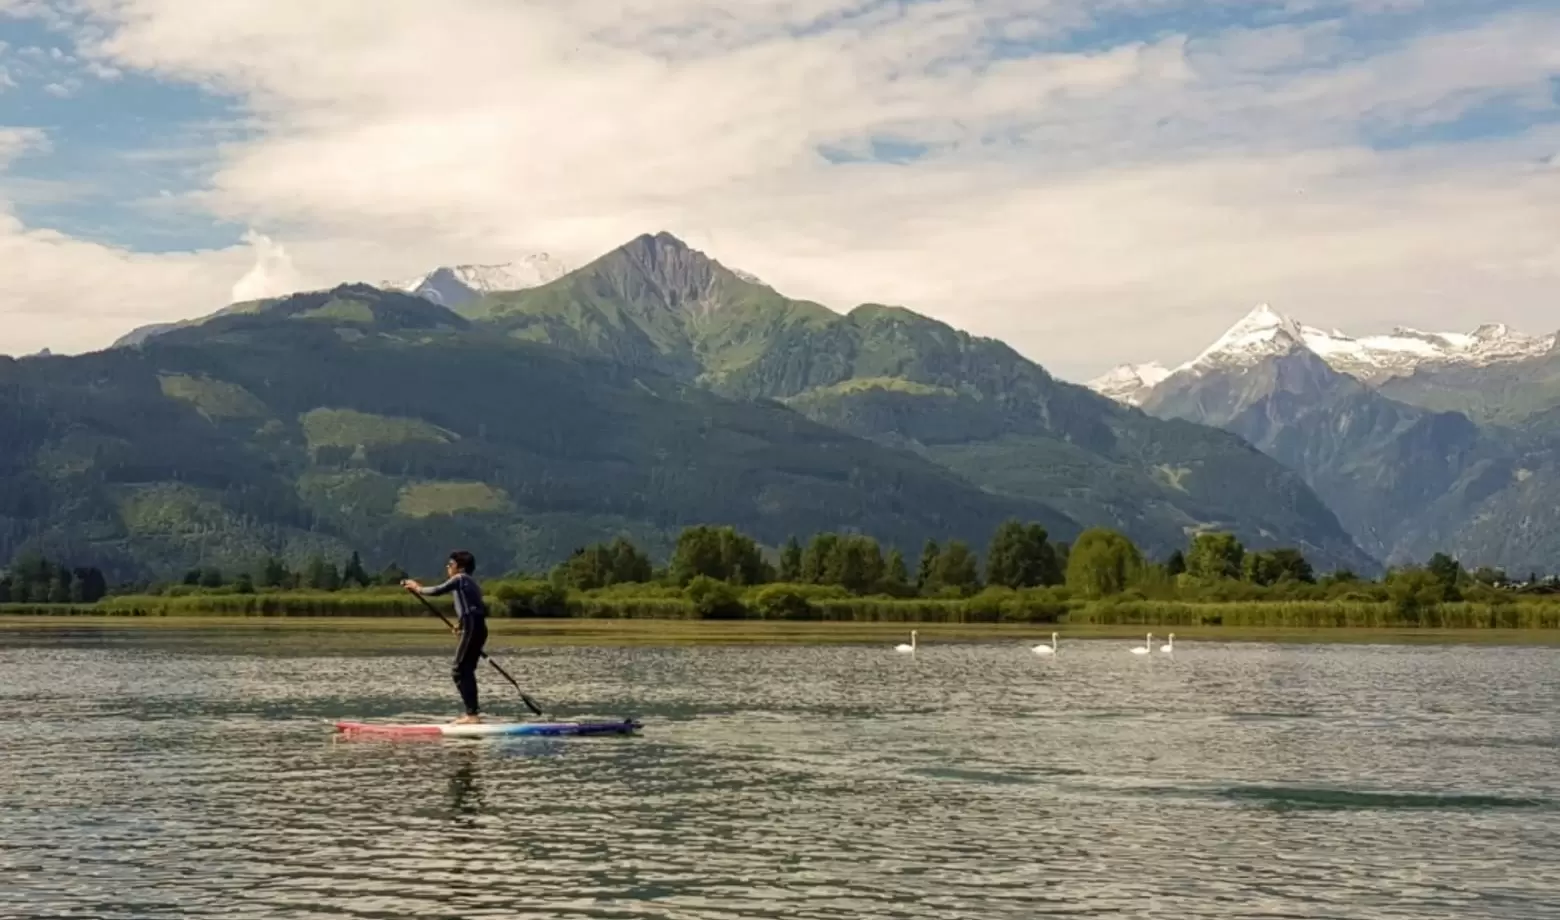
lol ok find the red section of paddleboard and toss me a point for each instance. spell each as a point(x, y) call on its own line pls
point(393, 731)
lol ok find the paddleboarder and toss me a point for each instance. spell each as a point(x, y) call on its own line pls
point(472, 626)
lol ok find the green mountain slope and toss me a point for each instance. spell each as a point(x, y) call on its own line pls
point(360, 419)
point(972, 404)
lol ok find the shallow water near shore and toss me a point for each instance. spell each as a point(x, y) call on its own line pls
point(150, 773)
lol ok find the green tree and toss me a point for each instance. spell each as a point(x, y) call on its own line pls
point(274, 573)
point(1215, 556)
point(1449, 573)
point(896, 579)
point(629, 565)
point(211, 577)
point(1292, 565)
point(89, 586)
point(321, 575)
point(586, 569)
point(791, 561)
point(1260, 568)
point(1103, 562)
point(714, 599)
point(1414, 592)
point(1273, 566)
point(927, 570)
point(603, 564)
point(856, 564)
point(393, 574)
point(60, 585)
point(33, 570)
point(244, 583)
point(1021, 557)
point(818, 559)
point(720, 553)
point(1176, 564)
point(353, 572)
point(957, 567)
point(782, 602)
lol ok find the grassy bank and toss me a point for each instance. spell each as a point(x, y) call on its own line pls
point(778, 605)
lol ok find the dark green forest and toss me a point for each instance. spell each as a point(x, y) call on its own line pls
point(647, 392)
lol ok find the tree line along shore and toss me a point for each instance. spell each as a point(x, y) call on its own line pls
point(718, 573)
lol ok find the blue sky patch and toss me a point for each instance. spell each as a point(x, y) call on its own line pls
point(121, 146)
point(1500, 117)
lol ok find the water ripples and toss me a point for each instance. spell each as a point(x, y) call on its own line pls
point(152, 779)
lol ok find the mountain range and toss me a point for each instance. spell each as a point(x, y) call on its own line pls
point(458, 285)
point(649, 389)
point(1420, 442)
point(1375, 359)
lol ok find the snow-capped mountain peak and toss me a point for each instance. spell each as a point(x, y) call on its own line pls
point(1262, 333)
point(454, 285)
point(1129, 383)
point(1404, 350)
point(1265, 332)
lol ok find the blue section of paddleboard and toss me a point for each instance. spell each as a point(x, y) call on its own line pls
point(620, 727)
point(624, 726)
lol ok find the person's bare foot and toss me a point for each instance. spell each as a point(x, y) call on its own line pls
point(468, 719)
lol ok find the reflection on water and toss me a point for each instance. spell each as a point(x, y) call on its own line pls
point(465, 794)
point(149, 778)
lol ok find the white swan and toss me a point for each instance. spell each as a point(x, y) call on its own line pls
point(1144, 648)
point(902, 647)
point(1168, 647)
point(1043, 649)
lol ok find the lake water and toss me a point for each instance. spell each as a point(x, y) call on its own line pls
point(149, 774)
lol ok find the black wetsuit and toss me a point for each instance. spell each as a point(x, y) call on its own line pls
point(473, 633)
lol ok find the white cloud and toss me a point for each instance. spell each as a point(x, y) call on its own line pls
point(15, 142)
point(63, 89)
point(103, 72)
point(1122, 203)
point(70, 295)
point(273, 273)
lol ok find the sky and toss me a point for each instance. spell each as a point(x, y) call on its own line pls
point(1092, 182)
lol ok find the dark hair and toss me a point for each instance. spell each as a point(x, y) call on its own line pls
point(464, 561)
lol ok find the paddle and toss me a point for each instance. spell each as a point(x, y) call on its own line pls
point(530, 703)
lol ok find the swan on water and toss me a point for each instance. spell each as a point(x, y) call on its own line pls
point(1168, 647)
point(1043, 649)
point(902, 647)
point(1145, 647)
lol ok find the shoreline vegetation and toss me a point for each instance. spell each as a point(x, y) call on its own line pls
point(507, 634)
point(534, 602)
point(1101, 580)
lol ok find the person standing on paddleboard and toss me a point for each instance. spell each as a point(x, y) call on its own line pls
point(472, 627)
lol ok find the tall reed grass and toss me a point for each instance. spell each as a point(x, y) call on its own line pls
point(828, 604)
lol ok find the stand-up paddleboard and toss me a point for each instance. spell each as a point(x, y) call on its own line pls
point(489, 729)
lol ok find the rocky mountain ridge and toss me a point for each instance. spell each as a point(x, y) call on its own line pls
point(1264, 332)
